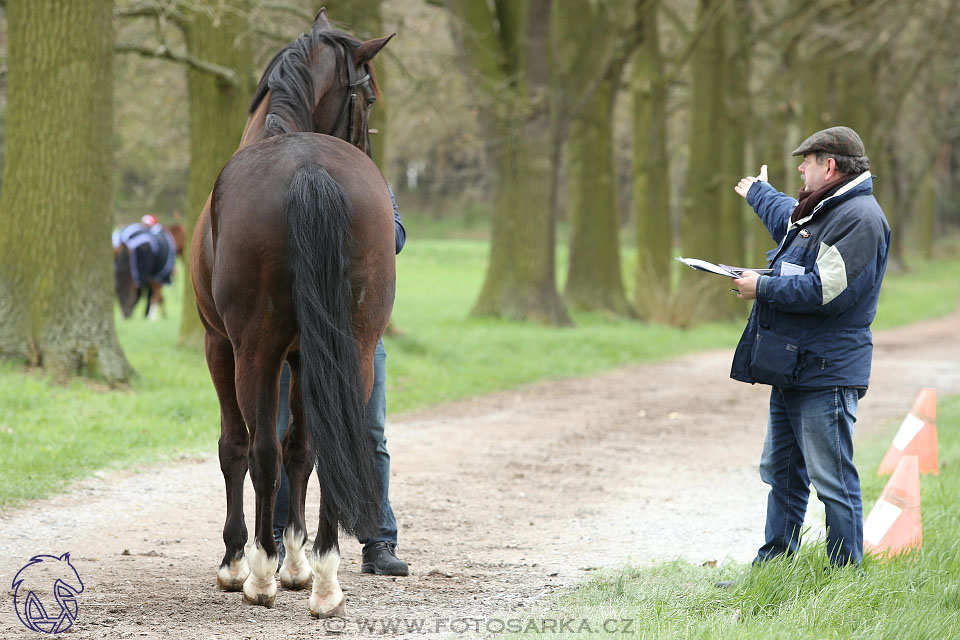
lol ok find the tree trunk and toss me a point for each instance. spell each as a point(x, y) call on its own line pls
point(583, 90)
point(701, 233)
point(520, 282)
point(505, 44)
point(738, 107)
point(218, 112)
point(651, 166)
point(56, 300)
point(594, 277)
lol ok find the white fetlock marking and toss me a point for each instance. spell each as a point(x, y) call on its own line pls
point(295, 570)
point(154, 314)
point(326, 593)
point(261, 580)
point(234, 573)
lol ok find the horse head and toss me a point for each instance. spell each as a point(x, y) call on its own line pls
point(128, 293)
point(179, 236)
point(322, 82)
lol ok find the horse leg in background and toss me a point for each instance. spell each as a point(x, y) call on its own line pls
point(156, 302)
point(299, 461)
point(327, 598)
point(258, 379)
point(233, 461)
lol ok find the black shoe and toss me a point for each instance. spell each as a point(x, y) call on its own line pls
point(381, 559)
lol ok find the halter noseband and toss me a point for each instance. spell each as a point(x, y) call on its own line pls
point(348, 109)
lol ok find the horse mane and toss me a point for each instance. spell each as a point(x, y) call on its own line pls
point(290, 81)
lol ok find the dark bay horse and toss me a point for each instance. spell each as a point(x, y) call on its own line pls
point(293, 259)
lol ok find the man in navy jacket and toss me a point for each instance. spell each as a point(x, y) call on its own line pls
point(809, 337)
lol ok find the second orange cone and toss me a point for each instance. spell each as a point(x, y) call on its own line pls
point(917, 436)
point(893, 525)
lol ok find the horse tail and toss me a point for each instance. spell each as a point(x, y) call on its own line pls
point(330, 379)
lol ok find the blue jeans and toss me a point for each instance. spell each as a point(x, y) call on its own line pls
point(377, 416)
point(810, 439)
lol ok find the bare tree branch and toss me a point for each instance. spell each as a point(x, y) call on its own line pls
point(276, 36)
point(670, 13)
point(706, 22)
point(152, 10)
point(629, 39)
point(223, 73)
point(288, 8)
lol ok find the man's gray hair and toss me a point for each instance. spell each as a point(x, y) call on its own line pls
point(845, 164)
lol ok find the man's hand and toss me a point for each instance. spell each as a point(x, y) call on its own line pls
point(747, 284)
point(745, 183)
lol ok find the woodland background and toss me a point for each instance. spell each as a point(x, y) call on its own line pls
point(613, 130)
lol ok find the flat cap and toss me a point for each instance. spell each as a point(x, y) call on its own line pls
point(840, 140)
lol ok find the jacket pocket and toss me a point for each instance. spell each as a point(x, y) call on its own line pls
point(775, 359)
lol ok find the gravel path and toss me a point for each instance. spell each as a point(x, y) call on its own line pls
point(502, 500)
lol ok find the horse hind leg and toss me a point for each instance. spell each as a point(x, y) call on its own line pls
point(258, 373)
point(326, 599)
point(298, 460)
point(233, 462)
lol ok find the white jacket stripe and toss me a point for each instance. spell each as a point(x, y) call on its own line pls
point(833, 272)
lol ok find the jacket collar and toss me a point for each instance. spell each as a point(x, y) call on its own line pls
point(842, 194)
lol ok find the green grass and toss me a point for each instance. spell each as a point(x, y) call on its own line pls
point(916, 595)
point(50, 435)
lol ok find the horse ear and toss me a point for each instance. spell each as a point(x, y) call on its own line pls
point(367, 50)
point(65, 556)
point(320, 20)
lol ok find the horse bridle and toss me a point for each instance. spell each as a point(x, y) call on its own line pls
point(348, 110)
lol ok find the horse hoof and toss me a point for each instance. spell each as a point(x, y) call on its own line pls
point(261, 600)
point(296, 584)
point(229, 584)
point(231, 576)
point(338, 611)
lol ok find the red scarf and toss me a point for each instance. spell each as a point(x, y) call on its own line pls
point(808, 200)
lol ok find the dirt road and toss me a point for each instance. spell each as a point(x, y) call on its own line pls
point(501, 500)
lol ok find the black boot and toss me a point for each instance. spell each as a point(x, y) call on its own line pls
point(381, 559)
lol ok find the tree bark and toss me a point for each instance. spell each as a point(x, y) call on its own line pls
point(594, 278)
point(703, 203)
point(651, 166)
point(738, 109)
point(56, 302)
point(218, 112)
point(504, 43)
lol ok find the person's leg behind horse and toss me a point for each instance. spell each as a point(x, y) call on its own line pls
point(826, 424)
point(782, 467)
point(281, 505)
point(379, 551)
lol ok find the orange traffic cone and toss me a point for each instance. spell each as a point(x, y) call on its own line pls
point(917, 436)
point(893, 525)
